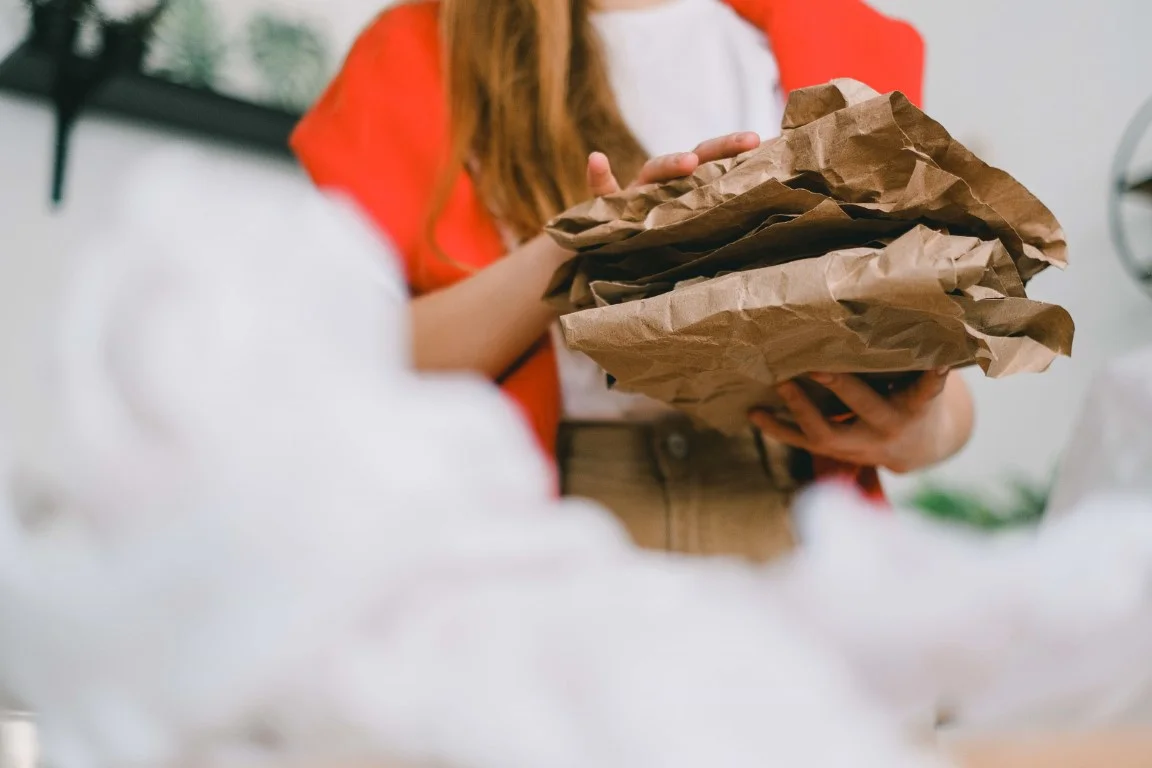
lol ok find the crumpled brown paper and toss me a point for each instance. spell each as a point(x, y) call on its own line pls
point(717, 348)
point(881, 162)
point(865, 239)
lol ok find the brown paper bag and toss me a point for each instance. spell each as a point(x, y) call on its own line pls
point(883, 165)
point(716, 348)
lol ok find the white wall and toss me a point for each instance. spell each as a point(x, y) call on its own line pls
point(35, 241)
point(1044, 89)
point(1041, 88)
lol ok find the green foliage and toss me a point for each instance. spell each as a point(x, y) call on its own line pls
point(291, 59)
point(1024, 506)
point(188, 45)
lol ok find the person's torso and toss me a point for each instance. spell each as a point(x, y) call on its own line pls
point(687, 70)
point(682, 72)
point(381, 131)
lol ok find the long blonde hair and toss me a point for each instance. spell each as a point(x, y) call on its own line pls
point(529, 99)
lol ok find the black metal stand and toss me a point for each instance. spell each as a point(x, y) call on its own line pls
point(28, 71)
point(1124, 186)
point(45, 66)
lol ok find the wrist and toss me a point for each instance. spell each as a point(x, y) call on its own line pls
point(555, 254)
point(541, 257)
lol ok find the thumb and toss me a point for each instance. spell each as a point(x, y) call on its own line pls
point(600, 179)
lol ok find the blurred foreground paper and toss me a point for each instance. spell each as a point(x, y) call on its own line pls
point(864, 240)
point(1111, 447)
point(275, 546)
point(18, 743)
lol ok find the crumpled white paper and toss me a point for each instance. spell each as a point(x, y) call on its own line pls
point(271, 532)
point(274, 542)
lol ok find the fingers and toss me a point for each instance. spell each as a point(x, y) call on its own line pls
point(726, 146)
point(805, 413)
point(886, 432)
point(927, 388)
point(813, 431)
point(779, 431)
point(871, 408)
point(601, 181)
point(668, 167)
point(811, 427)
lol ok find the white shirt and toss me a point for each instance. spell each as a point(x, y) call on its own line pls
point(683, 71)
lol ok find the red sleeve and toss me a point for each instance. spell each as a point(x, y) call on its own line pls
point(380, 135)
point(820, 40)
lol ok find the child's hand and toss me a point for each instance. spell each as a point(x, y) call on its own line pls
point(919, 426)
point(602, 182)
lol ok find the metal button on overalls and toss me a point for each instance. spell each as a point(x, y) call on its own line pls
point(677, 445)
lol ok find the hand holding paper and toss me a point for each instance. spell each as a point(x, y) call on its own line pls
point(602, 182)
point(864, 240)
point(900, 431)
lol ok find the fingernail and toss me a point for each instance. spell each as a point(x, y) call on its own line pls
point(748, 137)
point(823, 378)
point(942, 371)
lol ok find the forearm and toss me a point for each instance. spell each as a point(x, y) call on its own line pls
point(487, 321)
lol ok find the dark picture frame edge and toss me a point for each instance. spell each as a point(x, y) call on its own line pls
point(28, 71)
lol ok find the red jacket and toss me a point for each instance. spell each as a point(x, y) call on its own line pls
point(380, 134)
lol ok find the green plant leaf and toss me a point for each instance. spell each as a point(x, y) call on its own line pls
point(1025, 505)
point(188, 45)
point(291, 58)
